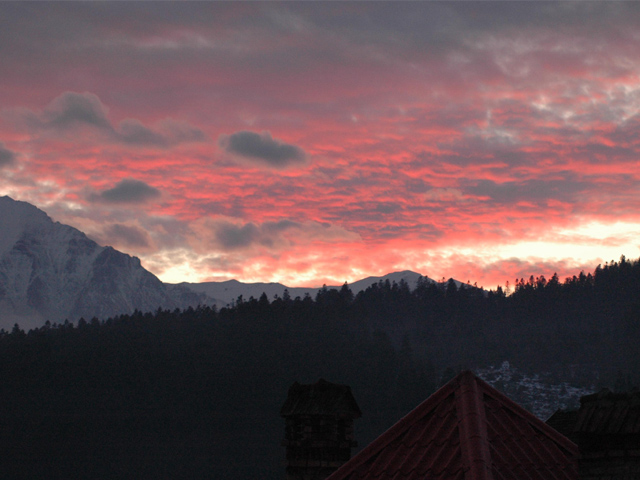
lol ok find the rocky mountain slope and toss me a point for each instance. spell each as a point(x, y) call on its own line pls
point(50, 271)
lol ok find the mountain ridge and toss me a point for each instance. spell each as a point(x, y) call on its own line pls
point(52, 271)
point(225, 292)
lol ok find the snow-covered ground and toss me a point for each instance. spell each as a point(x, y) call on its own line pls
point(536, 393)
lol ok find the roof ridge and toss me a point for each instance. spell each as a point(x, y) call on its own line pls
point(471, 448)
point(474, 440)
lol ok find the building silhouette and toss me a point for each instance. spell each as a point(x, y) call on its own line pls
point(319, 429)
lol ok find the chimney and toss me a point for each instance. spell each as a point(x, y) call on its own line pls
point(319, 429)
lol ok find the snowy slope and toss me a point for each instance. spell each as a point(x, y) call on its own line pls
point(224, 293)
point(50, 271)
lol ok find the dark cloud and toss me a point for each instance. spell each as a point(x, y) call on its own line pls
point(281, 226)
point(128, 191)
point(54, 23)
point(181, 132)
point(262, 148)
point(232, 236)
point(72, 110)
point(387, 207)
point(134, 132)
point(599, 153)
point(537, 190)
point(416, 185)
point(7, 157)
point(129, 236)
point(272, 235)
point(273, 36)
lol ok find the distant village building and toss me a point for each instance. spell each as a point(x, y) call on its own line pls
point(607, 431)
point(319, 429)
point(466, 430)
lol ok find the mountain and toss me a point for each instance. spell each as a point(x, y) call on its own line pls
point(407, 275)
point(224, 293)
point(50, 271)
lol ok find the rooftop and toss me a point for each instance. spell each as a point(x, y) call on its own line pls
point(320, 398)
point(466, 430)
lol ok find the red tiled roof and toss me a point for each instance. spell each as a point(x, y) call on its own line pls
point(466, 430)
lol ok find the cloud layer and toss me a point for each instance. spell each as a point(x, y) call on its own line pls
point(323, 142)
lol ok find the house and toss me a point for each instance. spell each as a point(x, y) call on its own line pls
point(607, 431)
point(466, 430)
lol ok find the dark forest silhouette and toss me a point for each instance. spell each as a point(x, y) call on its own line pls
point(196, 393)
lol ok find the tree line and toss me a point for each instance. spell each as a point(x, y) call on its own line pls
point(196, 393)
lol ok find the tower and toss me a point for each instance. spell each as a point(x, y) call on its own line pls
point(319, 429)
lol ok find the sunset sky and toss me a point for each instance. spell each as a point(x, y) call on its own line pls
point(311, 143)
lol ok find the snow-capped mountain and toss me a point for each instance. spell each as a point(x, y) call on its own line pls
point(225, 293)
point(50, 271)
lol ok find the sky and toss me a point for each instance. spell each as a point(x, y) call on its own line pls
point(314, 143)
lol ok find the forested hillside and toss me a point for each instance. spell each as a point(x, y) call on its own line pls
point(197, 393)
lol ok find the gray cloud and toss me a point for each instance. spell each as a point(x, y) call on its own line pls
point(387, 207)
point(134, 132)
point(129, 236)
point(182, 132)
point(7, 157)
point(262, 148)
point(290, 34)
point(127, 191)
point(72, 110)
point(281, 226)
point(536, 190)
point(57, 23)
point(232, 236)
point(282, 234)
